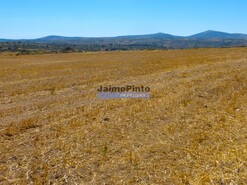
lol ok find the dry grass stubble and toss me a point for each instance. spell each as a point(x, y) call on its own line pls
point(192, 131)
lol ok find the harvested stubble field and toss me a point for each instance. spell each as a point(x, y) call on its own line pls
point(193, 129)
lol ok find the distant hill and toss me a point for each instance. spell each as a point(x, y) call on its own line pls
point(5, 40)
point(210, 34)
point(218, 35)
point(151, 36)
point(129, 42)
point(56, 38)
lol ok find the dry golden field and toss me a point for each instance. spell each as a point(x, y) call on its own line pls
point(193, 129)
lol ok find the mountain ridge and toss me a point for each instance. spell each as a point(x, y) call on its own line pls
point(164, 41)
point(209, 34)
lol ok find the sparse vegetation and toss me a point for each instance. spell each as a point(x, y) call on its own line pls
point(192, 131)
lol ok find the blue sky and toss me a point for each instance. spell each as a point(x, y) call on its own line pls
point(38, 18)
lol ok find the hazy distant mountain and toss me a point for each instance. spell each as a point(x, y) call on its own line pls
point(151, 36)
point(218, 35)
point(54, 38)
point(129, 42)
point(5, 40)
point(57, 38)
point(210, 34)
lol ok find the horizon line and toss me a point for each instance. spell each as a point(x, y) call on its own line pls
point(53, 35)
